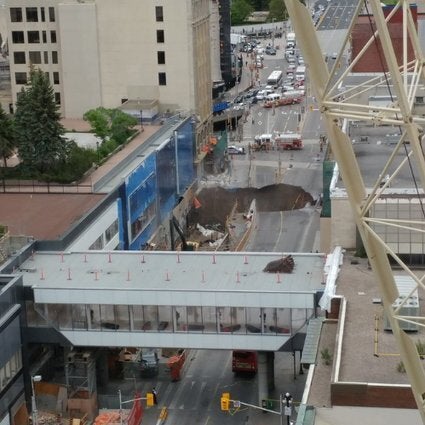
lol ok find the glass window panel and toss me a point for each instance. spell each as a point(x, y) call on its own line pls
point(15, 14)
point(253, 320)
point(209, 319)
point(17, 37)
point(138, 317)
point(94, 310)
point(181, 318)
point(162, 78)
point(107, 317)
point(194, 319)
point(283, 320)
point(160, 37)
point(79, 319)
point(159, 13)
point(32, 15)
point(299, 317)
point(165, 319)
point(122, 317)
point(19, 57)
point(33, 37)
point(35, 57)
point(269, 320)
point(150, 314)
point(229, 320)
point(51, 14)
point(62, 314)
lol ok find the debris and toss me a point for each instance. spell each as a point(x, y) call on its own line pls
point(283, 265)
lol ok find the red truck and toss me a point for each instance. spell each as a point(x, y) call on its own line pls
point(244, 361)
point(288, 141)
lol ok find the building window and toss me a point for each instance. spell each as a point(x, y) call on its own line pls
point(111, 231)
point(54, 57)
point(19, 57)
point(57, 98)
point(47, 75)
point(20, 77)
point(44, 36)
point(35, 57)
point(97, 244)
point(159, 13)
point(51, 14)
point(53, 36)
point(160, 38)
point(43, 14)
point(46, 57)
point(162, 78)
point(56, 78)
point(33, 37)
point(17, 37)
point(15, 14)
point(161, 58)
point(32, 14)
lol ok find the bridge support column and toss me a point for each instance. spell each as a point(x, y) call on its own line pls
point(102, 370)
point(263, 392)
point(270, 370)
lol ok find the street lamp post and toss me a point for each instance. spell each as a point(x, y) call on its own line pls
point(288, 406)
point(35, 378)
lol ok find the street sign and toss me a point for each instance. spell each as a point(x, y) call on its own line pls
point(287, 411)
point(236, 403)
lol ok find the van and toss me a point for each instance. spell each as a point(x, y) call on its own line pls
point(272, 97)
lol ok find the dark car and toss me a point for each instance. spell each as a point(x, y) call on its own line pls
point(270, 51)
point(235, 150)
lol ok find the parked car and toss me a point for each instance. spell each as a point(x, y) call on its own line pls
point(270, 51)
point(291, 69)
point(235, 150)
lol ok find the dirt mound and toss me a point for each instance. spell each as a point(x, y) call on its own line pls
point(217, 203)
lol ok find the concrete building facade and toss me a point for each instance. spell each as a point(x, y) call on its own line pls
point(103, 53)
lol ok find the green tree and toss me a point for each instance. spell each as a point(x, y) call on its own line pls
point(38, 131)
point(240, 10)
point(110, 124)
point(260, 5)
point(7, 140)
point(277, 10)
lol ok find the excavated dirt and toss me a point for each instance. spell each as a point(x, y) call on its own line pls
point(217, 203)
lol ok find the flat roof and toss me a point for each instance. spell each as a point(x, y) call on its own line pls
point(165, 270)
point(44, 216)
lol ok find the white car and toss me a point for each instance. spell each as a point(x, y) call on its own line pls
point(235, 150)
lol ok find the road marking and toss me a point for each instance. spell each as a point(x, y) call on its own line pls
point(280, 232)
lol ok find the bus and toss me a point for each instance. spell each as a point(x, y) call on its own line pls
point(275, 78)
point(244, 361)
point(300, 73)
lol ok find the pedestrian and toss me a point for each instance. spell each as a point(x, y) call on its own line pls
point(155, 396)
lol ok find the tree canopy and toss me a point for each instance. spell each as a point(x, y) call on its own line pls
point(110, 124)
point(277, 10)
point(38, 130)
point(240, 10)
point(7, 140)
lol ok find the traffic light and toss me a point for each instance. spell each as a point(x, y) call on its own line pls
point(149, 400)
point(225, 401)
